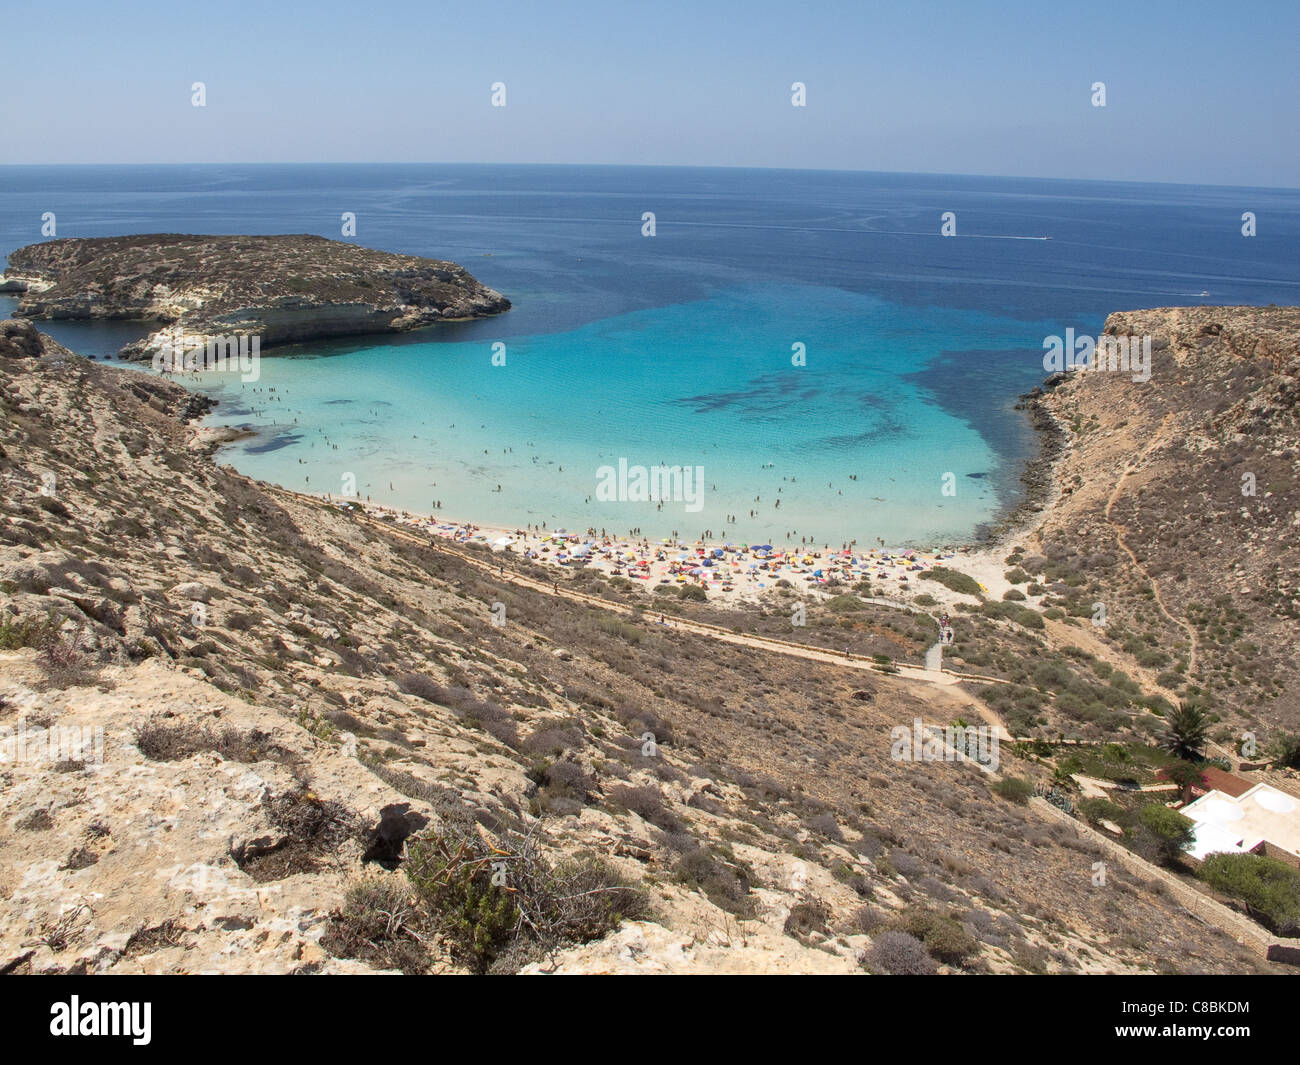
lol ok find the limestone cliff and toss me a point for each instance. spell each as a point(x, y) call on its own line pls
point(1180, 505)
point(282, 289)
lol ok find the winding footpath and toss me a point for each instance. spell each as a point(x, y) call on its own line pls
point(944, 678)
point(1156, 438)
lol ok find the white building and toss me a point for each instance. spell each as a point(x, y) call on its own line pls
point(1262, 820)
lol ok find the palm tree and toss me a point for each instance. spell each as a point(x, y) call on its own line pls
point(1186, 776)
point(1185, 731)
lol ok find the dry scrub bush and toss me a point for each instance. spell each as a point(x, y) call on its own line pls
point(492, 897)
point(899, 954)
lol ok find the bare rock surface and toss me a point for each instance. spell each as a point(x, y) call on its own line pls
point(282, 289)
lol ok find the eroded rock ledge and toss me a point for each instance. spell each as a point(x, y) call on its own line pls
point(283, 289)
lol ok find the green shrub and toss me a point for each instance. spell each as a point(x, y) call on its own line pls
point(622, 629)
point(1269, 888)
point(26, 631)
point(1052, 676)
point(1095, 810)
point(1285, 749)
point(1161, 834)
point(490, 899)
point(943, 937)
point(1014, 789)
point(952, 580)
point(1021, 615)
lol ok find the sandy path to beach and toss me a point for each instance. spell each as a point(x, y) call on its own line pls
point(944, 681)
point(1156, 438)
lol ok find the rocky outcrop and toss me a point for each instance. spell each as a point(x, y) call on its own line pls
point(1180, 495)
point(21, 340)
point(282, 289)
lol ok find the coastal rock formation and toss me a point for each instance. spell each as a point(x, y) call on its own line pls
point(1179, 504)
point(22, 340)
point(282, 289)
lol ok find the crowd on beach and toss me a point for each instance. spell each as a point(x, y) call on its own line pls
point(723, 569)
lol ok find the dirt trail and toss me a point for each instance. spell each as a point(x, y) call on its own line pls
point(1156, 438)
point(945, 679)
point(1061, 635)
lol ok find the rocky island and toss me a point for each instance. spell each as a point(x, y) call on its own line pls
point(283, 289)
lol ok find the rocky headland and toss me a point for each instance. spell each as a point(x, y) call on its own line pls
point(1179, 506)
point(282, 289)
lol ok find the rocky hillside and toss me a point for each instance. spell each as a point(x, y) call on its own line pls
point(317, 752)
point(1180, 508)
point(281, 288)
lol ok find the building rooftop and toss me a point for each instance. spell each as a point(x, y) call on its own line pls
point(1239, 823)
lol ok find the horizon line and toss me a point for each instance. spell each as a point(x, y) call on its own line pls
point(665, 166)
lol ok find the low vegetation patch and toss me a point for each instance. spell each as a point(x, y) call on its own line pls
point(726, 883)
point(1014, 789)
point(943, 937)
point(308, 830)
point(24, 631)
point(380, 925)
point(952, 580)
point(899, 954)
point(495, 899)
point(161, 740)
point(1270, 889)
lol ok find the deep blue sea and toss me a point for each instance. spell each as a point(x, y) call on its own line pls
point(677, 348)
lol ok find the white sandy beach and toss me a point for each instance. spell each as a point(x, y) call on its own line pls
point(729, 572)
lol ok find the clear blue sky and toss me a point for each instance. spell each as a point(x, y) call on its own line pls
point(1203, 92)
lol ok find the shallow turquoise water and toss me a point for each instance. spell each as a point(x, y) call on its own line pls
point(676, 349)
point(706, 384)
